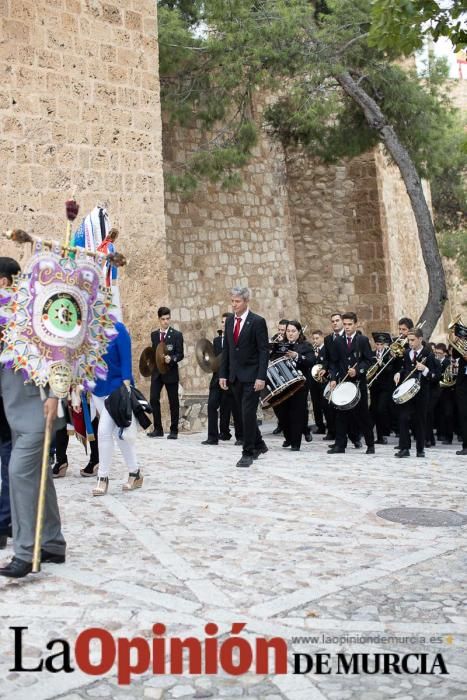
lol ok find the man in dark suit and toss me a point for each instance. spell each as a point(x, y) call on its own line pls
point(174, 342)
point(382, 386)
point(317, 388)
point(221, 403)
point(244, 365)
point(352, 356)
point(328, 350)
point(420, 358)
point(461, 397)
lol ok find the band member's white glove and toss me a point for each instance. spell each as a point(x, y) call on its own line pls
point(397, 378)
point(223, 384)
point(259, 385)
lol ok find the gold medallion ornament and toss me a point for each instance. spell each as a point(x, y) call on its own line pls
point(60, 377)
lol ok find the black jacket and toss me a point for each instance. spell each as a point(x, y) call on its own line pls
point(306, 358)
point(461, 380)
point(434, 367)
point(329, 350)
point(342, 358)
point(385, 381)
point(174, 342)
point(248, 360)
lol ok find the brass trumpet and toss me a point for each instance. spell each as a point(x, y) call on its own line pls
point(396, 349)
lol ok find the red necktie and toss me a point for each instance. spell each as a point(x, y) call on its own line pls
point(162, 337)
point(349, 342)
point(238, 320)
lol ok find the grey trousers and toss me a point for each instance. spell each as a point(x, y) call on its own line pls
point(25, 469)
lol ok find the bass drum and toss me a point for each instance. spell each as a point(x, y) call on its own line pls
point(406, 391)
point(345, 396)
point(283, 380)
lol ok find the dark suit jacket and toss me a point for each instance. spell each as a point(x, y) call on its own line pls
point(385, 381)
point(248, 360)
point(174, 342)
point(461, 381)
point(434, 367)
point(342, 359)
point(5, 432)
point(329, 350)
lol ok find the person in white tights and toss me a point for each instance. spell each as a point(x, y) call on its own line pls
point(118, 359)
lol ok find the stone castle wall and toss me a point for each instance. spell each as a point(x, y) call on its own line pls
point(338, 244)
point(217, 239)
point(80, 115)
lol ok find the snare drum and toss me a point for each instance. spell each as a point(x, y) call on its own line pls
point(283, 380)
point(345, 396)
point(327, 392)
point(406, 391)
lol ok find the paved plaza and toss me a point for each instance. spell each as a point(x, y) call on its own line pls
point(293, 547)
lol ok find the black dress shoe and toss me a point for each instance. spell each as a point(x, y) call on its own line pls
point(172, 436)
point(17, 568)
point(225, 437)
point(421, 454)
point(308, 437)
point(286, 443)
point(156, 433)
point(397, 447)
point(462, 452)
point(51, 557)
point(357, 444)
point(382, 441)
point(3, 541)
point(210, 442)
point(370, 450)
point(261, 450)
point(336, 451)
point(295, 449)
point(277, 431)
point(402, 453)
point(245, 461)
point(238, 443)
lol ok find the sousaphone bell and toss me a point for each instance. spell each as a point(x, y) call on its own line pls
point(205, 356)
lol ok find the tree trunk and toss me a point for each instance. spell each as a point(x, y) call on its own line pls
point(375, 118)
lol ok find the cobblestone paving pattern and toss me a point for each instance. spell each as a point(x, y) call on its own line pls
point(291, 546)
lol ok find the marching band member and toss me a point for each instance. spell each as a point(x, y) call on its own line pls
point(418, 357)
point(220, 403)
point(293, 412)
point(461, 396)
point(174, 342)
point(445, 409)
point(352, 357)
point(381, 388)
point(277, 338)
point(317, 388)
point(329, 342)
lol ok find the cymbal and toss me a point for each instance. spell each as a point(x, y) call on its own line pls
point(161, 352)
point(207, 360)
point(147, 362)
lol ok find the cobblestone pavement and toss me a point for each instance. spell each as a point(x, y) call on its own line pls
point(292, 546)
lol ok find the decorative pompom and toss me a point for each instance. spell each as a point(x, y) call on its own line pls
point(72, 209)
point(19, 236)
point(116, 259)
